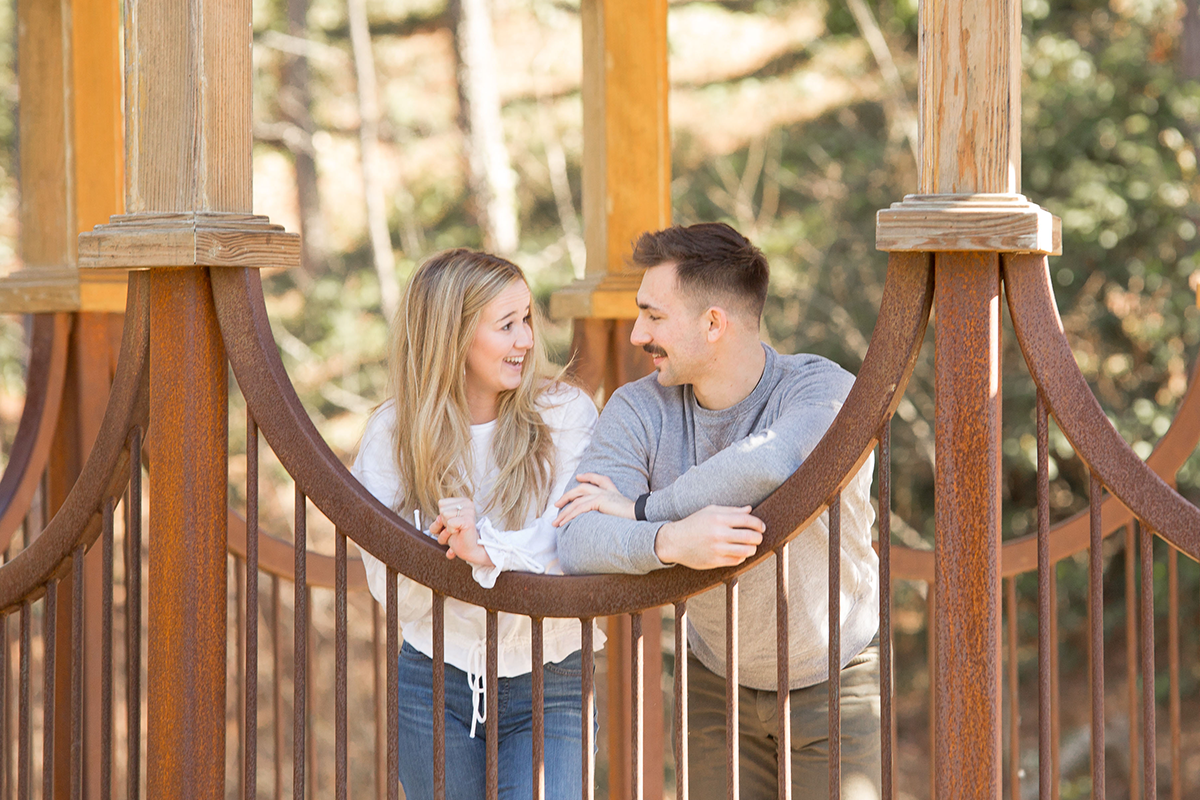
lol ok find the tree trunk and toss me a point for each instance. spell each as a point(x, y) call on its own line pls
point(491, 177)
point(295, 101)
point(368, 108)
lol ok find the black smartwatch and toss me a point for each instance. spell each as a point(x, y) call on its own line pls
point(639, 507)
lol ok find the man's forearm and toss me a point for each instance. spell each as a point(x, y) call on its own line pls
point(595, 542)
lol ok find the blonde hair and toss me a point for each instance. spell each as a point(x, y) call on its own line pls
point(431, 336)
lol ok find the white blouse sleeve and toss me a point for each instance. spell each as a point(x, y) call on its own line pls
point(571, 417)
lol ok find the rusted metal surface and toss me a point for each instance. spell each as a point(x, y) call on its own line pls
point(967, 517)
point(48, 343)
point(1149, 735)
point(492, 771)
point(637, 693)
point(439, 696)
point(681, 693)
point(537, 659)
point(1014, 695)
point(1096, 629)
point(106, 653)
point(299, 647)
point(1045, 580)
point(277, 686)
point(587, 690)
point(133, 618)
point(277, 557)
point(1131, 659)
point(77, 673)
point(341, 760)
point(783, 694)
point(186, 658)
point(887, 714)
point(250, 699)
point(25, 704)
point(732, 749)
point(850, 440)
point(103, 475)
point(1079, 415)
point(834, 560)
point(49, 657)
point(393, 689)
point(1173, 672)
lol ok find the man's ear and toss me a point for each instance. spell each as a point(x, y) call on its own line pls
point(716, 322)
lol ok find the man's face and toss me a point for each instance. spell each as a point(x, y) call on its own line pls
point(671, 327)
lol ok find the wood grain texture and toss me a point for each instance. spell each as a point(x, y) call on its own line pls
point(627, 152)
point(612, 298)
point(1004, 223)
point(97, 130)
point(188, 90)
point(46, 210)
point(970, 99)
point(144, 241)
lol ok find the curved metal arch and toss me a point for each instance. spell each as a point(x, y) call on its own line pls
point(106, 472)
point(1133, 481)
point(899, 333)
point(44, 383)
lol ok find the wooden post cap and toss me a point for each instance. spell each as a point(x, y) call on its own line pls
point(192, 239)
point(997, 223)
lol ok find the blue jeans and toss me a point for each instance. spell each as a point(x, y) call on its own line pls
point(466, 758)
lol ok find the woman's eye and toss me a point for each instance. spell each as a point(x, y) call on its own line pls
point(507, 326)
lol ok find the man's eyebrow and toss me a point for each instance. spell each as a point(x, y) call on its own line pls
point(645, 306)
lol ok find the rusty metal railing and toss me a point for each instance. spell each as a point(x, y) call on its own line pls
point(1123, 489)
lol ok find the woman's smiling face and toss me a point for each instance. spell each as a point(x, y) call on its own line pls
point(496, 356)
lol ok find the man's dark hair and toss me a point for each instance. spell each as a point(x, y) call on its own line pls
point(710, 258)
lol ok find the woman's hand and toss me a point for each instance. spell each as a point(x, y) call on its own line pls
point(594, 493)
point(455, 527)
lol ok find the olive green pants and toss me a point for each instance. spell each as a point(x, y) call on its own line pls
point(758, 722)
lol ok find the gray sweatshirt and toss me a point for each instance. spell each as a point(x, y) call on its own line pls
point(659, 439)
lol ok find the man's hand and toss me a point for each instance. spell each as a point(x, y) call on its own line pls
point(594, 493)
point(455, 527)
point(714, 536)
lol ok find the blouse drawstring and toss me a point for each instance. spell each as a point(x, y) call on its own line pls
point(476, 679)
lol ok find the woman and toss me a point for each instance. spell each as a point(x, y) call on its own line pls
point(477, 440)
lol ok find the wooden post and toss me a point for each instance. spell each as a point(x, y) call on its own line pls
point(626, 191)
point(188, 201)
point(968, 213)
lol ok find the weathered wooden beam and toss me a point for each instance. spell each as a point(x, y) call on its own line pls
point(626, 151)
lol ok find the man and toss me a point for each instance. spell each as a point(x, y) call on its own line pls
point(720, 425)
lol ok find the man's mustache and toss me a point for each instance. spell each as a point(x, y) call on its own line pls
point(654, 350)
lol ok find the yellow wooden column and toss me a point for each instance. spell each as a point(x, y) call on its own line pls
point(626, 192)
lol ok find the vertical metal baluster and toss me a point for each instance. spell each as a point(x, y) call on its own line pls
point(239, 604)
point(310, 703)
point(77, 673)
point(931, 660)
point(393, 689)
point(377, 670)
point(1096, 621)
point(537, 662)
point(681, 702)
point(277, 683)
point(887, 712)
point(1014, 695)
point(732, 749)
point(835, 647)
point(1045, 584)
point(250, 701)
point(439, 696)
point(783, 695)
point(587, 689)
point(1131, 659)
point(300, 647)
point(1150, 764)
point(340, 723)
point(5, 709)
point(1173, 667)
point(492, 726)
point(24, 708)
point(49, 657)
point(106, 650)
point(1055, 696)
point(637, 709)
point(133, 617)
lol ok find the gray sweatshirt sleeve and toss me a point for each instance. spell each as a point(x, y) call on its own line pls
point(745, 472)
point(595, 542)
